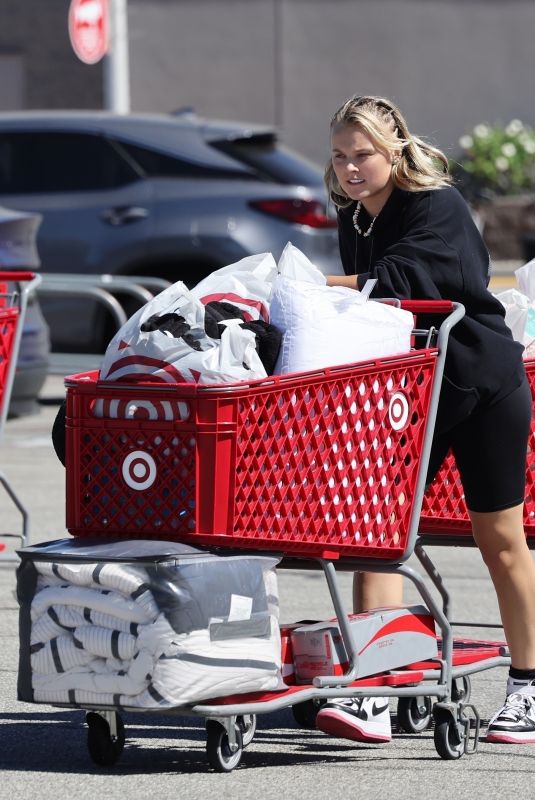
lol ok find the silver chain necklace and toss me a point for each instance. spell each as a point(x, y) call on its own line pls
point(356, 225)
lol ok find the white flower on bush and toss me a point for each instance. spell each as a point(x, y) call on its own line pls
point(466, 142)
point(508, 149)
point(481, 131)
point(500, 157)
point(514, 127)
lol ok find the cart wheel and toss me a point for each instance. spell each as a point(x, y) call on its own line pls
point(461, 690)
point(247, 725)
point(449, 742)
point(220, 756)
point(305, 713)
point(414, 713)
point(104, 749)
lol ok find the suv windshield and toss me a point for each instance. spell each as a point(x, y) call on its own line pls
point(271, 160)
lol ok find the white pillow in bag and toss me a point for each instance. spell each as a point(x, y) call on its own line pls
point(326, 326)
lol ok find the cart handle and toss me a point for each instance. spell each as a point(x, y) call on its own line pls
point(428, 306)
point(16, 276)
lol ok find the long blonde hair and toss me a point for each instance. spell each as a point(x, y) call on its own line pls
point(419, 167)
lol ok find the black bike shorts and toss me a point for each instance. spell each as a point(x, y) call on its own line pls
point(490, 449)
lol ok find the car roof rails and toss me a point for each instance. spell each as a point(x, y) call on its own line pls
point(184, 111)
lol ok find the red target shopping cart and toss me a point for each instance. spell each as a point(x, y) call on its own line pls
point(326, 468)
point(14, 290)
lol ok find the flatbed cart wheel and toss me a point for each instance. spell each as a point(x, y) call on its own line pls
point(218, 750)
point(415, 714)
point(247, 724)
point(449, 741)
point(104, 748)
point(461, 689)
point(305, 713)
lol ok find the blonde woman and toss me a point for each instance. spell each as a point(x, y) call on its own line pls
point(404, 224)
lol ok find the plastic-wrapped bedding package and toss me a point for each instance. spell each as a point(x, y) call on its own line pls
point(144, 624)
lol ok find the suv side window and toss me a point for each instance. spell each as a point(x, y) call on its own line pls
point(159, 165)
point(48, 162)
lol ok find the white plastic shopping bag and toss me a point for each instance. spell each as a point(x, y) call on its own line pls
point(237, 356)
point(325, 326)
point(295, 265)
point(525, 276)
point(166, 341)
point(246, 284)
point(517, 307)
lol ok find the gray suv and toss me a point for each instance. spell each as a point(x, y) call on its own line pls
point(173, 196)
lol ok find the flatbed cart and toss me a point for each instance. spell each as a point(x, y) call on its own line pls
point(327, 467)
point(15, 287)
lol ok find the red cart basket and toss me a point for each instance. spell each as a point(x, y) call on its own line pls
point(315, 462)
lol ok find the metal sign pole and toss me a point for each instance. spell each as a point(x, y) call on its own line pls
point(116, 64)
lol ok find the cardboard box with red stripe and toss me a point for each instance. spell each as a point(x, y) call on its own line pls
point(384, 639)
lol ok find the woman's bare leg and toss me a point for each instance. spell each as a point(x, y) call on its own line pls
point(376, 590)
point(501, 540)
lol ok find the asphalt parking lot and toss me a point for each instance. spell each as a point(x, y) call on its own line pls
point(43, 752)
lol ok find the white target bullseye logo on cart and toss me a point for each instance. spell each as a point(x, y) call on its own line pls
point(398, 411)
point(139, 470)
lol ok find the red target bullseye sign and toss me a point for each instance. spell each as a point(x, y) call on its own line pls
point(89, 29)
point(398, 411)
point(139, 470)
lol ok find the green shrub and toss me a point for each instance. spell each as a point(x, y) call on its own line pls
point(498, 159)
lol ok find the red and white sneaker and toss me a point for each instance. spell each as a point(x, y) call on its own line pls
point(363, 719)
point(515, 722)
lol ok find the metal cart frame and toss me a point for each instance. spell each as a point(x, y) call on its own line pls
point(13, 305)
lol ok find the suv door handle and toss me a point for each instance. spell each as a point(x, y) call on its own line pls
point(123, 215)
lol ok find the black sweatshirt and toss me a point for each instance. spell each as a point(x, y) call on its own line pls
point(425, 245)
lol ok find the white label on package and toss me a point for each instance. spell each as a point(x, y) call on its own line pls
point(240, 607)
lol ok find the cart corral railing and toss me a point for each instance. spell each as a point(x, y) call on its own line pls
point(102, 289)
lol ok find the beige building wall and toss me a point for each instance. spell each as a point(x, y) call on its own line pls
point(448, 63)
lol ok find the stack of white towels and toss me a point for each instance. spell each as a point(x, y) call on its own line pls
point(98, 638)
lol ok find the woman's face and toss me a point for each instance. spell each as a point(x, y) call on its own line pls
point(364, 172)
